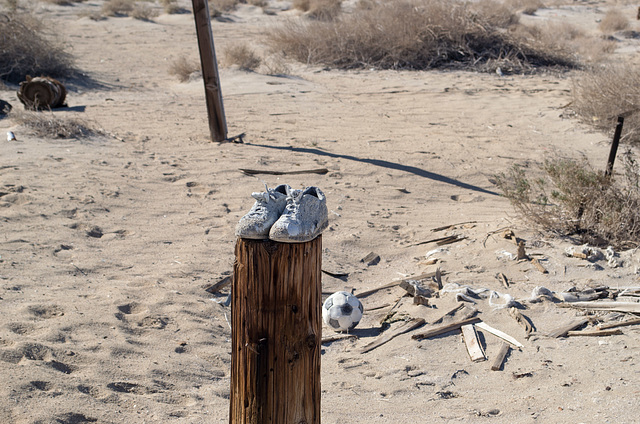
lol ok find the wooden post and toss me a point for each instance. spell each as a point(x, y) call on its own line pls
point(276, 332)
point(614, 146)
point(209, 64)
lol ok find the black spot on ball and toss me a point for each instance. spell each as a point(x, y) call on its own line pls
point(328, 304)
point(361, 308)
point(353, 324)
point(334, 323)
point(346, 309)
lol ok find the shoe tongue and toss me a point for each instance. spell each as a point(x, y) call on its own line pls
point(260, 196)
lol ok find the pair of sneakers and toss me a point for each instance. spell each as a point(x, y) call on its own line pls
point(285, 215)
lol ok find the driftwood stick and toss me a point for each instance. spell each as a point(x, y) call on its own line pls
point(214, 288)
point(445, 328)
point(335, 337)
point(523, 321)
point(268, 172)
point(503, 279)
point(446, 227)
point(394, 284)
point(635, 321)
point(390, 334)
point(564, 329)
point(449, 314)
point(538, 265)
point(440, 241)
point(498, 333)
point(499, 359)
point(595, 333)
point(633, 307)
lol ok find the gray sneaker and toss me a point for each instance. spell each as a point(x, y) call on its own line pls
point(268, 207)
point(304, 218)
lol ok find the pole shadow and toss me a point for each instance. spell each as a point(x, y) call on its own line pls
point(384, 164)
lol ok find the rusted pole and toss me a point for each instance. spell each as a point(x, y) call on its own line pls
point(212, 92)
point(276, 332)
point(614, 146)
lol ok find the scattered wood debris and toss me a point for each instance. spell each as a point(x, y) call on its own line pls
point(503, 280)
point(335, 337)
point(496, 365)
point(371, 259)
point(215, 288)
point(420, 277)
point(320, 171)
point(336, 274)
point(539, 266)
point(474, 348)
point(390, 334)
point(595, 333)
point(446, 227)
point(565, 328)
point(440, 241)
point(523, 321)
point(633, 307)
point(498, 333)
point(445, 328)
point(635, 321)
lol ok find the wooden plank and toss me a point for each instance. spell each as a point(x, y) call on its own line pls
point(565, 328)
point(633, 307)
point(499, 359)
point(474, 348)
point(445, 328)
point(498, 333)
point(595, 333)
point(213, 94)
point(390, 334)
point(635, 321)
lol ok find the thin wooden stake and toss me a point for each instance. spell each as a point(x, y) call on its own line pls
point(213, 95)
point(390, 334)
point(614, 146)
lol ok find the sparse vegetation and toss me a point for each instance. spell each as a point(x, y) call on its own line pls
point(117, 7)
point(614, 20)
point(46, 124)
point(28, 49)
point(241, 55)
point(573, 199)
point(421, 35)
point(143, 12)
point(171, 7)
point(184, 68)
point(218, 7)
point(324, 10)
point(603, 94)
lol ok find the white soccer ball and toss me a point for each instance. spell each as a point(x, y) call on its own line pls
point(342, 311)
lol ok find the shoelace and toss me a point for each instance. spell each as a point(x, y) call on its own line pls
point(264, 196)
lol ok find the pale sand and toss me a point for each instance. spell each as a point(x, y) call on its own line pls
point(119, 329)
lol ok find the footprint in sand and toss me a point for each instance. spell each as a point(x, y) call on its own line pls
point(134, 388)
point(74, 418)
point(44, 386)
point(467, 198)
point(132, 308)
point(21, 328)
point(46, 311)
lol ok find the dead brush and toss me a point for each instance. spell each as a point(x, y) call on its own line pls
point(614, 20)
point(418, 35)
point(46, 124)
point(27, 48)
point(240, 55)
point(184, 68)
point(324, 10)
point(218, 7)
point(603, 93)
point(117, 7)
point(573, 199)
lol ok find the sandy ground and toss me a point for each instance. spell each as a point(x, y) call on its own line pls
point(108, 243)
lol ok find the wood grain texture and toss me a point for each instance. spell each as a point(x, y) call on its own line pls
point(276, 332)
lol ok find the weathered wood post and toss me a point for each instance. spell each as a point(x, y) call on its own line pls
point(276, 332)
point(213, 95)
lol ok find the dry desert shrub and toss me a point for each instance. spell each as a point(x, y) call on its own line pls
point(184, 68)
point(46, 124)
point(117, 7)
point(241, 55)
point(171, 7)
point(614, 20)
point(143, 12)
point(573, 199)
point(218, 7)
point(603, 94)
point(26, 48)
point(527, 7)
point(323, 10)
point(412, 34)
